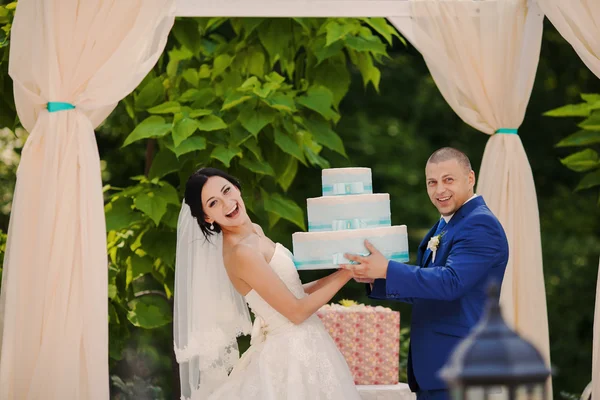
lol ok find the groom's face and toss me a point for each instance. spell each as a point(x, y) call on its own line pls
point(449, 185)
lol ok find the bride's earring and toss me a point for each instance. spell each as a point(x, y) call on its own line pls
point(211, 227)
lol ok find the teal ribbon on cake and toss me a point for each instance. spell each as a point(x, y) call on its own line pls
point(349, 224)
point(507, 131)
point(342, 189)
point(338, 258)
point(55, 106)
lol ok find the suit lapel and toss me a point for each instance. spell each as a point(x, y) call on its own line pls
point(459, 215)
point(423, 246)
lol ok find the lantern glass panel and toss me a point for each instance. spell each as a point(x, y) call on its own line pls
point(500, 392)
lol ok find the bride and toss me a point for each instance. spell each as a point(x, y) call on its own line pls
point(225, 261)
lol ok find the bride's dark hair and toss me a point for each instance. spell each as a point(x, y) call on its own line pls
point(193, 196)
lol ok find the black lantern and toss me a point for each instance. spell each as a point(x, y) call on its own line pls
point(493, 362)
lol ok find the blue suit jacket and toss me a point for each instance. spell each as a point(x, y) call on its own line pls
point(449, 294)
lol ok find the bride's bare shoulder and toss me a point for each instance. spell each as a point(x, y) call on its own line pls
point(241, 252)
point(258, 229)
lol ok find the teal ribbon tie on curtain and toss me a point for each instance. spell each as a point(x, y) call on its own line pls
point(55, 106)
point(507, 131)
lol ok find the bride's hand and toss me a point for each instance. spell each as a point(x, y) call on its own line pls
point(348, 274)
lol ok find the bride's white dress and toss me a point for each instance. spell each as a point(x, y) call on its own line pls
point(287, 361)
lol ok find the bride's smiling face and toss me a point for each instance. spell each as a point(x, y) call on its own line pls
point(222, 202)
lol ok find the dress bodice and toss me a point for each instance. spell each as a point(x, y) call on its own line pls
point(268, 320)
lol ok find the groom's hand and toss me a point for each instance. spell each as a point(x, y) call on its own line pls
point(373, 266)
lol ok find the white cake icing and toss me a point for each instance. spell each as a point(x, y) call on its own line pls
point(334, 213)
point(346, 181)
point(347, 215)
point(325, 250)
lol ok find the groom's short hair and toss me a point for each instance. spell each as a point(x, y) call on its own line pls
point(450, 153)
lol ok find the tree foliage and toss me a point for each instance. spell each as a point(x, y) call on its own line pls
point(586, 160)
point(257, 97)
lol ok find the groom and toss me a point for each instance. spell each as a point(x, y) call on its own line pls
point(461, 254)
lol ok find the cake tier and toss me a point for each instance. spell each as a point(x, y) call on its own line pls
point(345, 181)
point(335, 213)
point(325, 250)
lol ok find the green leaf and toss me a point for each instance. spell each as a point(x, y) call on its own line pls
point(211, 123)
point(262, 92)
point(233, 99)
point(337, 31)
point(589, 180)
point(361, 44)
point(113, 317)
point(286, 143)
point(582, 161)
point(205, 71)
point(160, 244)
point(319, 99)
point(150, 94)
point(383, 28)
point(581, 138)
point(258, 167)
point(323, 134)
point(323, 52)
point(274, 40)
point(280, 101)
point(168, 193)
point(187, 33)
point(592, 123)
point(335, 76)
point(285, 208)
point(252, 145)
point(274, 77)
point(183, 129)
point(273, 219)
point(199, 113)
point(171, 216)
point(175, 56)
point(149, 312)
point(238, 134)
point(151, 205)
point(369, 72)
point(286, 178)
point(164, 163)
point(591, 98)
point(191, 76)
point(152, 127)
point(204, 98)
point(170, 107)
point(250, 84)
point(190, 95)
point(120, 215)
point(570, 110)
point(225, 154)
point(254, 120)
point(140, 266)
point(315, 159)
point(222, 61)
point(255, 63)
point(191, 144)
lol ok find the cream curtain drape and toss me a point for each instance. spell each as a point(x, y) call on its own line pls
point(578, 21)
point(53, 304)
point(483, 56)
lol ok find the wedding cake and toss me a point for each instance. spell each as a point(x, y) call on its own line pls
point(340, 221)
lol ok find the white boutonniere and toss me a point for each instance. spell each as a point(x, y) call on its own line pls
point(433, 244)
